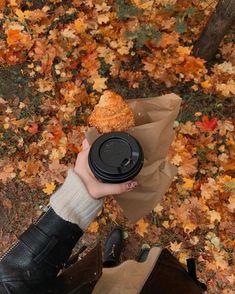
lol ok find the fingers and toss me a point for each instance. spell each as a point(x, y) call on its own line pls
point(102, 189)
point(85, 144)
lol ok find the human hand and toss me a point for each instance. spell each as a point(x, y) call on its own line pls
point(96, 188)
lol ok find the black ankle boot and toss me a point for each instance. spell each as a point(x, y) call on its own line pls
point(143, 255)
point(113, 248)
point(38, 255)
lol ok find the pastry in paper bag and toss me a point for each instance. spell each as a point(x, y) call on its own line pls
point(154, 118)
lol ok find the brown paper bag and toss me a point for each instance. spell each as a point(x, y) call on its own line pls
point(154, 119)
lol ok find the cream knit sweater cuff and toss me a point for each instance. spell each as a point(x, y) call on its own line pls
point(73, 203)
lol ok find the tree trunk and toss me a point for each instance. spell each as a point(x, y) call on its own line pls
point(217, 26)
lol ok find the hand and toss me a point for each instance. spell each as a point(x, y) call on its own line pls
point(95, 188)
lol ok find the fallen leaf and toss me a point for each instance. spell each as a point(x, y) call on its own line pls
point(7, 171)
point(175, 246)
point(13, 36)
point(93, 227)
point(21, 15)
point(7, 203)
point(166, 224)
point(208, 189)
point(188, 128)
point(2, 4)
point(188, 183)
point(104, 18)
point(49, 188)
point(206, 124)
point(158, 208)
point(214, 215)
point(206, 84)
point(188, 166)
point(33, 129)
point(227, 89)
point(99, 83)
point(80, 26)
point(231, 205)
point(141, 227)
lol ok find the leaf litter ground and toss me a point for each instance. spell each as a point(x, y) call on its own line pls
point(56, 59)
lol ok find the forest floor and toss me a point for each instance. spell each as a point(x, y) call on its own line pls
point(55, 61)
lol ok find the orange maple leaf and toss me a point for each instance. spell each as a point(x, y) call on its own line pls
point(13, 36)
point(93, 227)
point(57, 133)
point(141, 227)
point(206, 124)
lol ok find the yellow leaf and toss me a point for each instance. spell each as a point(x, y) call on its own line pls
point(183, 256)
point(227, 178)
point(49, 188)
point(21, 14)
point(158, 208)
point(183, 51)
point(214, 215)
point(99, 83)
point(175, 247)
point(80, 26)
point(141, 227)
point(194, 88)
point(93, 227)
point(206, 84)
point(188, 128)
point(188, 183)
point(226, 89)
point(176, 160)
point(103, 18)
point(143, 4)
point(166, 224)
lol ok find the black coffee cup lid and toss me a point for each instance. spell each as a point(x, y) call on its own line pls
point(116, 157)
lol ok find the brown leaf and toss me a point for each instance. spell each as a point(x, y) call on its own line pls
point(7, 203)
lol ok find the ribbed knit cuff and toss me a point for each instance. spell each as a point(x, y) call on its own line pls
point(73, 203)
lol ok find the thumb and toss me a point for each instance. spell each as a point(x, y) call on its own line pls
point(107, 189)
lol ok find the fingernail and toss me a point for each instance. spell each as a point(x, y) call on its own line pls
point(132, 185)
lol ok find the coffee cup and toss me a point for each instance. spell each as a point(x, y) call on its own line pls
point(115, 157)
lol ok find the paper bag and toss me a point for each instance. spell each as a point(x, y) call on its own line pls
point(154, 119)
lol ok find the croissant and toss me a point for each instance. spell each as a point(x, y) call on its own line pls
point(112, 113)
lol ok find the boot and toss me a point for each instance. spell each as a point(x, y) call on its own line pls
point(143, 255)
point(113, 247)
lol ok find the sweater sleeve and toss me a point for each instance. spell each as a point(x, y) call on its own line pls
point(73, 203)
